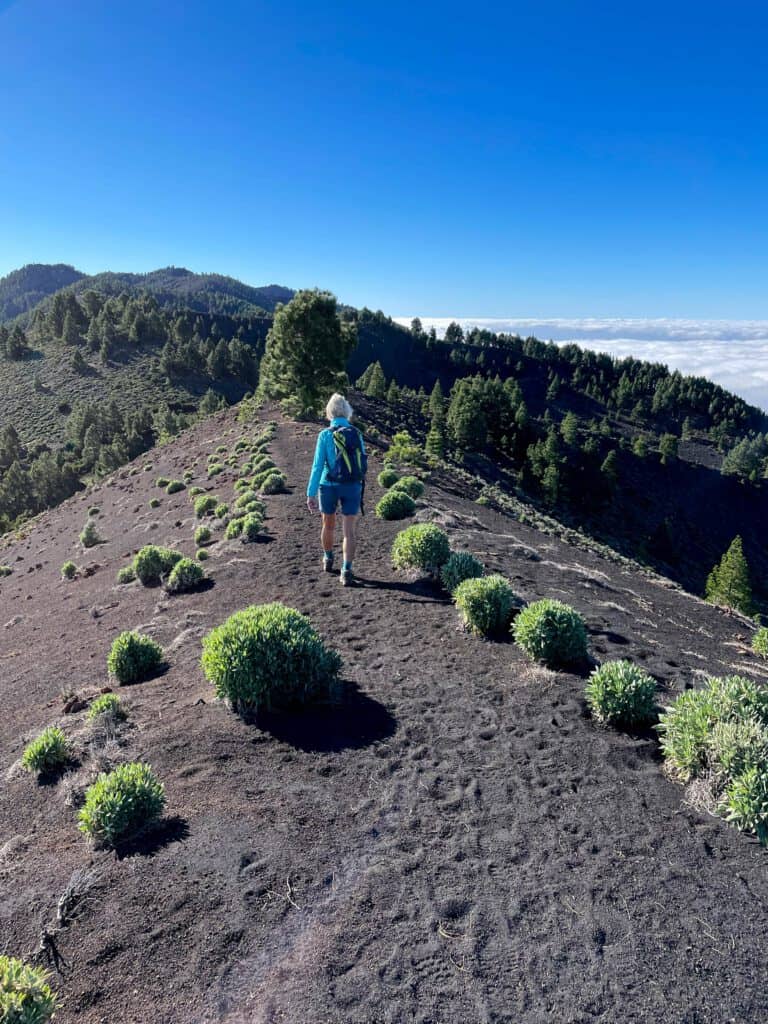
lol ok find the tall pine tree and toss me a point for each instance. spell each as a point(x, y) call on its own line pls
point(728, 583)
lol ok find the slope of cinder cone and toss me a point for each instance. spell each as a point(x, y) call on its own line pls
point(457, 841)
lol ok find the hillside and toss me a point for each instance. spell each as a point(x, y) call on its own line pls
point(23, 289)
point(456, 841)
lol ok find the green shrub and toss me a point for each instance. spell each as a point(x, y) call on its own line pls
point(126, 574)
point(266, 656)
point(423, 546)
point(253, 525)
point(745, 803)
point(153, 562)
point(221, 510)
point(154, 503)
point(148, 467)
point(69, 570)
point(162, 481)
point(387, 477)
point(89, 538)
point(205, 505)
point(551, 632)
point(760, 642)
point(243, 485)
point(134, 657)
point(734, 746)
point(121, 803)
point(107, 704)
point(234, 528)
point(241, 445)
point(620, 693)
point(485, 604)
point(215, 468)
point(47, 752)
point(202, 554)
point(188, 476)
point(175, 486)
point(221, 449)
point(94, 510)
point(185, 575)
point(25, 995)
point(202, 535)
point(461, 565)
point(261, 464)
point(5, 570)
point(274, 483)
point(395, 505)
point(244, 497)
point(410, 484)
point(194, 491)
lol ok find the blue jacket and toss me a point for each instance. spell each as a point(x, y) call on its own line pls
point(325, 455)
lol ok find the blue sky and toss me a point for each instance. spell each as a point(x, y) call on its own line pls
point(534, 159)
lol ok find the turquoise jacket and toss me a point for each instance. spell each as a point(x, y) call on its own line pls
point(325, 455)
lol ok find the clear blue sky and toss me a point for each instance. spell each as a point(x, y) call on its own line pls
point(529, 159)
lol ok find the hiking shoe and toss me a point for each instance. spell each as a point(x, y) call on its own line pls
point(327, 564)
point(346, 578)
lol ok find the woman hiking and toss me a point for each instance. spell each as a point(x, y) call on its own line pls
point(337, 478)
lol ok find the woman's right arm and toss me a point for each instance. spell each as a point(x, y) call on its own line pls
point(318, 465)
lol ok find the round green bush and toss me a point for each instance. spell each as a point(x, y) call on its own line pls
point(107, 704)
point(202, 554)
point(745, 803)
point(202, 535)
point(121, 803)
point(134, 657)
point(205, 505)
point(25, 995)
point(215, 468)
point(620, 693)
point(423, 546)
point(195, 491)
point(244, 497)
point(243, 485)
point(175, 486)
point(47, 752)
point(154, 503)
point(760, 642)
point(94, 510)
point(188, 476)
point(551, 632)
point(268, 656)
point(410, 484)
point(5, 570)
point(234, 528)
point(485, 604)
point(126, 574)
point(262, 463)
point(253, 524)
point(274, 483)
point(387, 477)
point(241, 445)
point(185, 575)
point(89, 538)
point(222, 449)
point(153, 562)
point(162, 481)
point(69, 570)
point(734, 746)
point(221, 510)
point(395, 505)
point(461, 565)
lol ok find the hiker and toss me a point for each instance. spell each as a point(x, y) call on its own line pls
point(338, 478)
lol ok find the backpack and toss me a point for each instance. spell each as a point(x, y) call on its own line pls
point(351, 462)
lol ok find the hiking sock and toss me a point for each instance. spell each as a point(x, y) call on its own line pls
point(346, 567)
point(328, 557)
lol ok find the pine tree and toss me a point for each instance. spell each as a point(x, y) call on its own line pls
point(70, 335)
point(306, 352)
point(569, 428)
point(610, 468)
point(393, 392)
point(728, 583)
point(435, 442)
point(79, 364)
point(667, 448)
point(437, 403)
point(364, 379)
point(377, 382)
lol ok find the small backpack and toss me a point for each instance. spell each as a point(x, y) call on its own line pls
point(351, 462)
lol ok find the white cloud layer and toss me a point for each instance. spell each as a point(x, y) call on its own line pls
point(734, 353)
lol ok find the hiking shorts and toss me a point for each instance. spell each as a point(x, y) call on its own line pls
point(348, 494)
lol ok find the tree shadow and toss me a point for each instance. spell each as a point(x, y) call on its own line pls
point(422, 587)
point(157, 836)
point(352, 721)
point(199, 588)
point(157, 673)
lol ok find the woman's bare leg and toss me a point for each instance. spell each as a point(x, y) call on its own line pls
point(328, 531)
point(349, 527)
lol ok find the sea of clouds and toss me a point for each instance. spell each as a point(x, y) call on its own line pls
point(733, 353)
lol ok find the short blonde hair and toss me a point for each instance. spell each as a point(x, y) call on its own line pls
point(338, 406)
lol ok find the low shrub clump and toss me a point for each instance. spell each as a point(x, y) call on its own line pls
point(25, 995)
point(268, 656)
point(410, 484)
point(261, 463)
point(126, 575)
point(551, 632)
point(154, 503)
point(245, 496)
point(205, 505)
point(221, 510)
point(5, 570)
point(175, 486)
point(47, 752)
point(202, 535)
point(188, 476)
point(215, 468)
point(234, 528)
point(185, 575)
point(274, 483)
point(134, 657)
point(194, 491)
point(243, 484)
point(162, 481)
point(201, 554)
point(121, 803)
point(252, 526)
point(423, 546)
point(387, 477)
point(485, 604)
point(461, 565)
point(69, 570)
point(760, 642)
point(395, 505)
point(153, 562)
point(94, 510)
point(623, 694)
point(107, 704)
point(90, 537)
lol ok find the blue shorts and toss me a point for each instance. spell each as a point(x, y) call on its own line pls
point(348, 494)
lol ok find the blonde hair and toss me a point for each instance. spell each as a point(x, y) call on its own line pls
point(338, 406)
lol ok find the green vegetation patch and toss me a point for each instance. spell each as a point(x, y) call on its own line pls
point(153, 562)
point(760, 642)
point(205, 505)
point(622, 694)
point(485, 604)
point(410, 484)
point(175, 486)
point(461, 565)
point(395, 505)
point(387, 477)
point(134, 657)
point(107, 704)
point(186, 575)
point(25, 995)
point(47, 752)
point(68, 571)
point(551, 632)
point(423, 546)
point(122, 803)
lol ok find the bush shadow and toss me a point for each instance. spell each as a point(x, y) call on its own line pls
point(199, 588)
point(159, 835)
point(157, 673)
point(351, 721)
point(422, 587)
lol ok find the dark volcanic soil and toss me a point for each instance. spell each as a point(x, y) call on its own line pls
point(458, 843)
